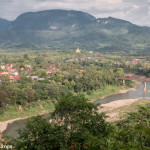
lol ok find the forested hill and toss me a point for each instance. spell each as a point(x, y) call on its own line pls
point(52, 20)
point(4, 24)
point(68, 29)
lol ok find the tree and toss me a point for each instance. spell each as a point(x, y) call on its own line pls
point(74, 123)
point(26, 56)
point(42, 73)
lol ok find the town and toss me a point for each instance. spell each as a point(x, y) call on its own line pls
point(13, 71)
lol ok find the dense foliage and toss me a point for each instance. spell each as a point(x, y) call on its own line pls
point(75, 124)
point(67, 77)
point(62, 29)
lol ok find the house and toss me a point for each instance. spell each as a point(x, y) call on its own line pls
point(8, 68)
point(4, 73)
point(141, 58)
point(96, 58)
point(71, 60)
point(30, 69)
point(15, 73)
point(53, 65)
point(73, 68)
point(135, 61)
point(49, 71)
point(22, 69)
point(91, 52)
point(2, 67)
point(11, 78)
point(34, 78)
point(9, 65)
point(29, 66)
point(41, 79)
point(17, 77)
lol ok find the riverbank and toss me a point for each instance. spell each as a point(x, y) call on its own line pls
point(101, 93)
point(35, 108)
point(118, 110)
point(13, 113)
point(42, 108)
point(112, 90)
point(4, 124)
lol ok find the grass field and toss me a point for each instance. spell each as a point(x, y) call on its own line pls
point(35, 108)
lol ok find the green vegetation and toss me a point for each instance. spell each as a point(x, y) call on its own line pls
point(132, 108)
point(63, 29)
point(94, 95)
point(35, 108)
point(75, 124)
point(4, 24)
point(63, 83)
point(50, 75)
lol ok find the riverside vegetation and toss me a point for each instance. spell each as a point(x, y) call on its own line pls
point(68, 29)
point(76, 125)
point(65, 83)
point(51, 75)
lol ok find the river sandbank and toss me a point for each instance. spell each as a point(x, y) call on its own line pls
point(115, 108)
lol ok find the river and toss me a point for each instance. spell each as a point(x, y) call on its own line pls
point(134, 94)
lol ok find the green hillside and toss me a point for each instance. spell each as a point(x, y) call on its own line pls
point(64, 29)
point(4, 24)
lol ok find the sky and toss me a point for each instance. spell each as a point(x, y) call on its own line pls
point(135, 11)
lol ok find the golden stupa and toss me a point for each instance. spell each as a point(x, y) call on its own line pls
point(78, 50)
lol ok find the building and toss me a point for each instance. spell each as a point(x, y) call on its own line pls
point(78, 50)
point(91, 52)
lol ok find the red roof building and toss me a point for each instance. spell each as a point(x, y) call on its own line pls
point(53, 65)
point(4, 73)
point(9, 65)
point(141, 58)
point(9, 68)
point(17, 77)
point(50, 71)
point(73, 68)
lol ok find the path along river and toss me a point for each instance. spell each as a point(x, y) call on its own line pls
point(133, 94)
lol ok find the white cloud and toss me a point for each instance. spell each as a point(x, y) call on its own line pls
point(136, 11)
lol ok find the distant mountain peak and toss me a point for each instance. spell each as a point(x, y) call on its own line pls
point(4, 24)
point(67, 29)
point(51, 19)
point(110, 20)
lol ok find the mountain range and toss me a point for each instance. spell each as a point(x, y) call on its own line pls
point(69, 29)
point(4, 24)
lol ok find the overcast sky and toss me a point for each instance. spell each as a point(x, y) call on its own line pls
point(135, 11)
